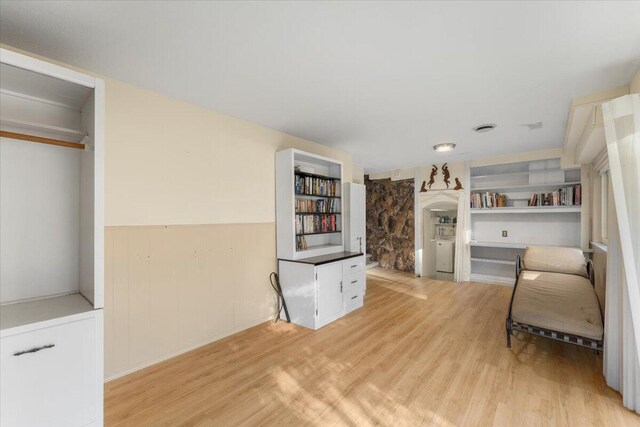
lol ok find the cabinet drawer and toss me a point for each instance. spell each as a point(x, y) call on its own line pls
point(49, 376)
point(353, 281)
point(352, 265)
point(353, 299)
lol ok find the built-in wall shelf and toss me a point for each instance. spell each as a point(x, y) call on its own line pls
point(328, 249)
point(522, 246)
point(523, 187)
point(493, 261)
point(528, 209)
point(499, 245)
point(318, 213)
point(319, 232)
point(500, 234)
point(315, 175)
point(72, 135)
point(315, 196)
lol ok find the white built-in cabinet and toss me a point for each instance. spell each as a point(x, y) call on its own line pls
point(51, 244)
point(318, 292)
point(295, 166)
point(355, 226)
point(323, 279)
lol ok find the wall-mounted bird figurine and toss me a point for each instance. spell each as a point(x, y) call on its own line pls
point(458, 185)
point(432, 177)
point(447, 175)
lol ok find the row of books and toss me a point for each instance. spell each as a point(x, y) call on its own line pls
point(307, 224)
point(301, 243)
point(488, 200)
point(316, 186)
point(318, 206)
point(565, 196)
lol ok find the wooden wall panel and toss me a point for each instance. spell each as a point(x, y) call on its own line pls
point(172, 288)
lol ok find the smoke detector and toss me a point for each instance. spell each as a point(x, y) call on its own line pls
point(485, 127)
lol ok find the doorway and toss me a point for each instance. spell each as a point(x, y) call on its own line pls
point(439, 224)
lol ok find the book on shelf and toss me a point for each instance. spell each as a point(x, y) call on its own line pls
point(301, 243)
point(488, 200)
point(317, 206)
point(565, 196)
point(309, 224)
point(308, 185)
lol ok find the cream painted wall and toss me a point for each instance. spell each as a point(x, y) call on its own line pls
point(169, 162)
point(190, 215)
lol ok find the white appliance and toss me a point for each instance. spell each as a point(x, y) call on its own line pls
point(444, 256)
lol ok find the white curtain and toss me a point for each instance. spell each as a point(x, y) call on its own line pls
point(462, 270)
point(622, 321)
point(620, 366)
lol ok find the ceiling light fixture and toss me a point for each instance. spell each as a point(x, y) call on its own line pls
point(441, 148)
point(485, 127)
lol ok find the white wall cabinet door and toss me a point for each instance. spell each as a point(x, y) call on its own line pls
point(53, 386)
point(355, 211)
point(359, 217)
point(329, 285)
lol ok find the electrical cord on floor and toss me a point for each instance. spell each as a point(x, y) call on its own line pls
point(275, 284)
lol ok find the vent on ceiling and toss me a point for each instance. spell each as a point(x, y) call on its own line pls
point(485, 127)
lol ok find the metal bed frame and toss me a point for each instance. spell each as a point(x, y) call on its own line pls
point(512, 325)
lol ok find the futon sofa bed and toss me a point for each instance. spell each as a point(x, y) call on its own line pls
point(554, 297)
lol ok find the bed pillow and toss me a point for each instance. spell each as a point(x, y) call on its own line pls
point(555, 260)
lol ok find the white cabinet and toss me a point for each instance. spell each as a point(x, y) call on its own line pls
point(355, 224)
point(51, 244)
point(320, 290)
point(329, 283)
point(49, 375)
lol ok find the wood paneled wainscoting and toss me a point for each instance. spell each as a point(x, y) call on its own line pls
point(420, 352)
point(169, 289)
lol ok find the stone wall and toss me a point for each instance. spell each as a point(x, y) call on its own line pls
point(390, 223)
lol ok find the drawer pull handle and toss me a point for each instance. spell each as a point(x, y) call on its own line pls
point(354, 297)
point(354, 281)
point(354, 266)
point(34, 350)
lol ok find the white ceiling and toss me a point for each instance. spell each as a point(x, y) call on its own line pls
point(385, 81)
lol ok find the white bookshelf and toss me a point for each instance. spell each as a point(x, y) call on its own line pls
point(289, 164)
point(492, 255)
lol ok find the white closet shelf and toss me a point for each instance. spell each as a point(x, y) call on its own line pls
point(40, 310)
point(528, 210)
point(523, 187)
point(493, 261)
point(72, 135)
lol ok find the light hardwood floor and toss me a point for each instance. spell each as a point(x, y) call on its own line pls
point(420, 352)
